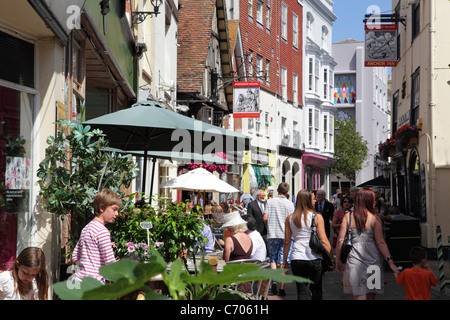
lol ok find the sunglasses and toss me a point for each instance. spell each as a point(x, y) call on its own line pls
point(346, 202)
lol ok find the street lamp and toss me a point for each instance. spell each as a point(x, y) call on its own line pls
point(139, 16)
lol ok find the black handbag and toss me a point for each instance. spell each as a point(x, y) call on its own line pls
point(314, 242)
point(347, 245)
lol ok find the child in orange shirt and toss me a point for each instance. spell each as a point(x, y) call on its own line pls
point(418, 279)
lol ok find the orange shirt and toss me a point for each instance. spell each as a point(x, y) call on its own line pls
point(417, 282)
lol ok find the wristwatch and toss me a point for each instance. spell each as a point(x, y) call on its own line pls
point(389, 258)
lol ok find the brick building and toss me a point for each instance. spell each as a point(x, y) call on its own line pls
point(271, 33)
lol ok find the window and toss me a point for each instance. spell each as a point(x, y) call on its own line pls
point(316, 75)
point(325, 84)
point(295, 30)
point(250, 124)
point(331, 132)
point(295, 89)
point(217, 118)
point(330, 84)
point(266, 123)
point(311, 74)
point(395, 111)
point(259, 66)
point(313, 126)
point(415, 96)
point(250, 63)
point(324, 37)
point(284, 83)
point(258, 125)
point(316, 127)
point(415, 16)
point(78, 68)
point(259, 12)
point(268, 71)
point(325, 132)
point(268, 15)
point(284, 21)
point(310, 127)
point(309, 24)
point(250, 9)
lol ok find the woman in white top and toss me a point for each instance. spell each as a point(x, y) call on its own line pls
point(304, 262)
point(259, 246)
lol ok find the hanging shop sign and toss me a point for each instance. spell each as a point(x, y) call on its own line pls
point(246, 99)
point(381, 45)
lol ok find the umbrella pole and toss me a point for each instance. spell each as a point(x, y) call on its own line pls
point(144, 171)
point(151, 181)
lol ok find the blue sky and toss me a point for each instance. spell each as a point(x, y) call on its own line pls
point(350, 16)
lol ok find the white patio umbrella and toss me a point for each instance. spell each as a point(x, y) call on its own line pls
point(200, 180)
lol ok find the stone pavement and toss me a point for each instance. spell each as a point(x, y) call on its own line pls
point(332, 287)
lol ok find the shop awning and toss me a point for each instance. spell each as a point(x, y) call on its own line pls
point(377, 182)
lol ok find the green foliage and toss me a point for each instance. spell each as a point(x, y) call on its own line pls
point(176, 229)
point(127, 276)
point(76, 166)
point(350, 148)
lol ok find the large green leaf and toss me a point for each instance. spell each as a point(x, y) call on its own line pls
point(67, 290)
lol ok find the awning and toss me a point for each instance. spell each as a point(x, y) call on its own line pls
point(377, 182)
point(177, 156)
point(312, 159)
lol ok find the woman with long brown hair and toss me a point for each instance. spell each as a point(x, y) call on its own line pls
point(27, 279)
point(304, 262)
point(369, 248)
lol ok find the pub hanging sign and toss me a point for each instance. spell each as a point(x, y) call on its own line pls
point(381, 45)
point(246, 99)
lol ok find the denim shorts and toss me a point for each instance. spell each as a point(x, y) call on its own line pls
point(275, 248)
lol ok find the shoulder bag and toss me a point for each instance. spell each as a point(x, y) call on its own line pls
point(317, 247)
point(347, 245)
point(314, 242)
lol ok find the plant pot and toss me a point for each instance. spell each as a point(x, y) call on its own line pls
point(412, 142)
point(391, 150)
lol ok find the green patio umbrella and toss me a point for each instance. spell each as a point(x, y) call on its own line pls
point(149, 126)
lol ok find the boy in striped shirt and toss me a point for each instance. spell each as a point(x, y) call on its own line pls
point(94, 249)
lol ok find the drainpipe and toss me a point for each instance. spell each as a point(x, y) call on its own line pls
point(431, 106)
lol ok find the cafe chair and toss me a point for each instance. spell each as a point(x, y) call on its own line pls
point(259, 288)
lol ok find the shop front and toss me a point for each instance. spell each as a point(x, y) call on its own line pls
point(258, 169)
point(316, 172)
point(17, 106)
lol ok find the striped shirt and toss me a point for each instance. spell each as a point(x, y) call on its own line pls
point(92, 251)
point(278, 209)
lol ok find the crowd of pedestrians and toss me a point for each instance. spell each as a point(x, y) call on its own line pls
point(274, 229)
point(286, 228)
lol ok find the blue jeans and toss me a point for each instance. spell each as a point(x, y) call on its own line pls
point(312, 270)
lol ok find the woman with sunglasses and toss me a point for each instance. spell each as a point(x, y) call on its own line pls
point(338, 215)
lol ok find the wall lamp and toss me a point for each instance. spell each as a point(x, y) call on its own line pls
point(139, 16)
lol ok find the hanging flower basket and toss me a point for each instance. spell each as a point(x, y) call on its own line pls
point(407, 136)
point(387, 149)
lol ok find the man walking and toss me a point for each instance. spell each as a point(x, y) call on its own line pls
point(278, 209)
point(257, 208)
point(325, 208)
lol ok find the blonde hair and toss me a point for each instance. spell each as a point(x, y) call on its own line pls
point(303, 206)
point(239, 227)
point(106, 198)
point(208, 209)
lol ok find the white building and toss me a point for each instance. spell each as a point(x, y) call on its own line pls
point(361, 93)
point(319, 110)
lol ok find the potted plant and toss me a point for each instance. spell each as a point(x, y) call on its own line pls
point(387, 148)
point(75, 167)
point(407, 136)
point(173, 230)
